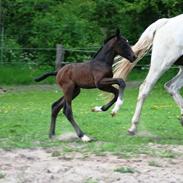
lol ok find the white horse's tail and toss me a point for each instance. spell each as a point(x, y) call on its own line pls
point(143, 45)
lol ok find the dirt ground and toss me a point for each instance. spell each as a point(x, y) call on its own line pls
point(48, 166)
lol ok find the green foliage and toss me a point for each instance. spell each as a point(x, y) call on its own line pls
point(11, 55)
point(77, 23)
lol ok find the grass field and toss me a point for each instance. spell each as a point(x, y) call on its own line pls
point(22, 74)
point(25, 115)
point(25, 118)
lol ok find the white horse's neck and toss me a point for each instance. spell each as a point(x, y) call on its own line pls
point(143, 45)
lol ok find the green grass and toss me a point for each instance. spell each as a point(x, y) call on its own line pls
point(21, 74)
point(154, 163)
point(125, 170)
point(25, 118)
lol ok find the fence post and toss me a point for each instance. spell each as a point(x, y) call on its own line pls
point(59, 56)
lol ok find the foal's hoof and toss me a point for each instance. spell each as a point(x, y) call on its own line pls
point(97, 109)
point(85, 138)
point(51, 136)
point(131, 132)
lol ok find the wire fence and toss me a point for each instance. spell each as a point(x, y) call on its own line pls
point(48, 56)
point(30, 56)
point(43, 56)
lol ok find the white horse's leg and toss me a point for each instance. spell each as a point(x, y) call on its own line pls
point(144, 90)
point(173, 86)
point(165, 52)
point(118, 103)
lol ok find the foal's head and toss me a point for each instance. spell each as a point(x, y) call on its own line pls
point(122, 47)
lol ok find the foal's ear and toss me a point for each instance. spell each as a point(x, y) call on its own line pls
point(118, 32)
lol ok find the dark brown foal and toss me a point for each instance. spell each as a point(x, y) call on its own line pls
point(94, 74)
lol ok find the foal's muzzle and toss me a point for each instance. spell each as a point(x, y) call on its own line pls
point(133, 58)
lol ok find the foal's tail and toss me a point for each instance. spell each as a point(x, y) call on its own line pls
point(44, 76)
point(142, 46)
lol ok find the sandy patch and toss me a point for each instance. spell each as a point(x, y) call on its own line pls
point(49, 166)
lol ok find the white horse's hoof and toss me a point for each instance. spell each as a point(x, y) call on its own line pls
point(97, 109)
point(85, 138)
point(131, 132)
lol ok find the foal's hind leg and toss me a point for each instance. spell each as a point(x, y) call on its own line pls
point(173, 86)
point(68, 93)
point(56, 107)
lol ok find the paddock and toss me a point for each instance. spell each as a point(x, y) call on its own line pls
point(27, 154)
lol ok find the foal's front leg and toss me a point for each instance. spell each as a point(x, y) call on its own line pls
point(105, 107)
point(106, 85)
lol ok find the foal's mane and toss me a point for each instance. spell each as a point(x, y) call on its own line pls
point(105, 41)
point(109, 38)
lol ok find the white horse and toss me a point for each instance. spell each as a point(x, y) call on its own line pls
point(165, 37)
